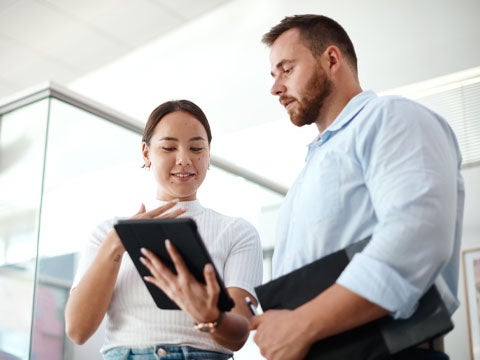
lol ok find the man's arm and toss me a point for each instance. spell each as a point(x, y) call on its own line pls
point(289, 334)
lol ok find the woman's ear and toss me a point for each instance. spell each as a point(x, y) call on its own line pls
point(146, 160)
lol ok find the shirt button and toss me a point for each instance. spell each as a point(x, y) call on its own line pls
point(161, 352)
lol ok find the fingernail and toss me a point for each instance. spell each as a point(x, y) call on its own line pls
point(143, 251)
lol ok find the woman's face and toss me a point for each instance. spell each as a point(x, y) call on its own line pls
point(179, 156)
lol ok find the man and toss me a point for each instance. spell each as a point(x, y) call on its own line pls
point(384, 167)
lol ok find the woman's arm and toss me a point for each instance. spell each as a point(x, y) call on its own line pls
point(89, 300)
point(233, 330)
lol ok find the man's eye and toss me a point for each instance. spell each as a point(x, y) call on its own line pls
point(287, 71)
point(196, 149)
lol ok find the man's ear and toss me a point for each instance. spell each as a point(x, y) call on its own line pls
point(333, 57)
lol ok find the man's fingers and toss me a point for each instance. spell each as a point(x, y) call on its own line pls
point(255, 322)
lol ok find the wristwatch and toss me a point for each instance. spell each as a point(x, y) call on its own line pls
point(209, 327)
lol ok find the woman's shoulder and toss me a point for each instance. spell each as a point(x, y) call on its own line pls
point(226, 220)
point(103, 228)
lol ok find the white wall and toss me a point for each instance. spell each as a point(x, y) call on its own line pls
point(219, 62)
point(457, 342)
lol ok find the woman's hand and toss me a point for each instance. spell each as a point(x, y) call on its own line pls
point(197, 299)
point(161, 212)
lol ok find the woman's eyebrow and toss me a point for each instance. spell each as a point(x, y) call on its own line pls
point(169, 138)
point(196, 138)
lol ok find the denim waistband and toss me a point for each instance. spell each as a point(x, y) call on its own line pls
point(163, 352)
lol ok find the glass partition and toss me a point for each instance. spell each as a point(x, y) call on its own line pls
point(22, 145)
point(66, 164)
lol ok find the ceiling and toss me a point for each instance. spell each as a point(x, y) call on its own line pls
point(62, 40)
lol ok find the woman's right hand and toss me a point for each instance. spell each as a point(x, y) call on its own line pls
point(161, 212)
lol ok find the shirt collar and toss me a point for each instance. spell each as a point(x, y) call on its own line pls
point(346, 115)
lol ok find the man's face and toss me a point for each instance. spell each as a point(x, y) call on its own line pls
point(301, 83)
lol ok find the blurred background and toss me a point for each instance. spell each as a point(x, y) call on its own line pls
point(78, 80)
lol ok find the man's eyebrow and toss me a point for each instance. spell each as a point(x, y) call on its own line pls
point(280, 64)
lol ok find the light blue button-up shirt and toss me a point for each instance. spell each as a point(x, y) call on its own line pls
point(389, 168)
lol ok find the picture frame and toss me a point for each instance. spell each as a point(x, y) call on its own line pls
point(471, 266)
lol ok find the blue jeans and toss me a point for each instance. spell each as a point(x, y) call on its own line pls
point(163, 352)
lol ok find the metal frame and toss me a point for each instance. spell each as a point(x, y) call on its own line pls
point(54, 90)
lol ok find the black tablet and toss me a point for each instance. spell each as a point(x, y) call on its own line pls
point(182, 232)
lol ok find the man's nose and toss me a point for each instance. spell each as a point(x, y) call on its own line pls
point(278, 88)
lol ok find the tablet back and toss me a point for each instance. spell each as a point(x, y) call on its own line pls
point(182, 232)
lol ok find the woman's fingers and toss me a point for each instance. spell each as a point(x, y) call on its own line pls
point(171, 214)
point(180, 266)
point(196, 298)
point(160, 212)
point(162, 209)
point(213, 289)
point(141, 210)
point(158, 270)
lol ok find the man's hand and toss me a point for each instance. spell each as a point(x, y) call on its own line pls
point(280, 336)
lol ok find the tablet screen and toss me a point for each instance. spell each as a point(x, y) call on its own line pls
point(182, 232)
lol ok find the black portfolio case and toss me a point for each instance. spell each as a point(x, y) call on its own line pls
point(376, 340)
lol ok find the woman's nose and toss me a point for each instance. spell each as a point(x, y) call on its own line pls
point(183, 159)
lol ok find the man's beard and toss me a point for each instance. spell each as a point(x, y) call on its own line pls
point(309, 107)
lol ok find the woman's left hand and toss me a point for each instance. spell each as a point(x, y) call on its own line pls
point(197, 299)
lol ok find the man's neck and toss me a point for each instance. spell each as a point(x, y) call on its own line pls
point(334, 107)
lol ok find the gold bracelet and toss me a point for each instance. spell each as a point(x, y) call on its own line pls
point(209, 327)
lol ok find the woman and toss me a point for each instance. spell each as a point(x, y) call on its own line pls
point(176, 150)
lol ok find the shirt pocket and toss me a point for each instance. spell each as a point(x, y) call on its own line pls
point(319, 196)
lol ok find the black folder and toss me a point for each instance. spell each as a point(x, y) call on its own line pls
point(182, 232)
point(376, 340)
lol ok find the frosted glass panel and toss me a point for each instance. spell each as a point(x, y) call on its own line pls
point(22, 144)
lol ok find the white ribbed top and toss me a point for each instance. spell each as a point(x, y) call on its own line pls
point(133, 319)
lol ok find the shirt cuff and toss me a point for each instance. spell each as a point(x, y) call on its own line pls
point(380, 284)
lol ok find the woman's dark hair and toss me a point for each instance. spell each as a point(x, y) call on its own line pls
point(171, 106)
point(318, 32)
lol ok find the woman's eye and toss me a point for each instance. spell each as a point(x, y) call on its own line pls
point(196, 149)
point(168, 148)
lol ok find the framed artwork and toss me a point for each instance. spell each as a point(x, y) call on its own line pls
point(471, 263)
